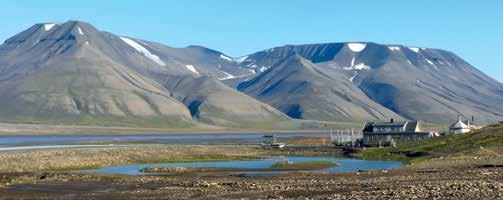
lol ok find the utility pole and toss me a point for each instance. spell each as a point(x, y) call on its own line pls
point(352, 138)
point(331, 137)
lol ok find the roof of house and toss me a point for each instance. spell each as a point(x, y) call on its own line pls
point(410, 126)
point(459, 125)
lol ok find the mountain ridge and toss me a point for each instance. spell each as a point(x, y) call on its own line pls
point(395, 75)
point(74, 73)
point(73, 68)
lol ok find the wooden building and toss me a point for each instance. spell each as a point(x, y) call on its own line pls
point(392, 133)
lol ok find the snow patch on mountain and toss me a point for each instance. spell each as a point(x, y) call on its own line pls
point(192, 69)
point(230, 76)
point(356, 47)
point(359, 66)
point(48, 27)
point(414, 49)
point(222, 56)
point(227, 76)
point(143, 50)
point(80, 31)
point(431, 63)
point(240, 59)
point(353, 77)
point(394, 48)
point(263, 68)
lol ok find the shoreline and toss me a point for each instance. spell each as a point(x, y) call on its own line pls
point(227, 132)
point(18, 129)
point(299, 166)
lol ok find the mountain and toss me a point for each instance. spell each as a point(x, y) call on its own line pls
point(302, 90)
point(73, 73)
point(417, 83)
point(210, 101)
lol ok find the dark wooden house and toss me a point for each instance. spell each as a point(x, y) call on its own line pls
point(392, 133)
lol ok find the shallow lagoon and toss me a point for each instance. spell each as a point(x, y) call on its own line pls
point(344, 165)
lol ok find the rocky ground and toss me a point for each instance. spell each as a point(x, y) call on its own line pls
point(468, 183)
point(91, 157)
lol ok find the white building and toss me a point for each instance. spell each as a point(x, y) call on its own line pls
point(459, 127)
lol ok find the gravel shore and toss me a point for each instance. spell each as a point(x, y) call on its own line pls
point(467, 183)
point(59, 159)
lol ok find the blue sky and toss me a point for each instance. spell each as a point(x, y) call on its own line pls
point(472, 29)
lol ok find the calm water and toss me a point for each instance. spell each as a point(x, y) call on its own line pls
point(242, 138)
point(345, 165)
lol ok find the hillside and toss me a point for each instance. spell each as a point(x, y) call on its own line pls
point(416, 83)
point(479, 147)
point(72, 73)
point(298, 88)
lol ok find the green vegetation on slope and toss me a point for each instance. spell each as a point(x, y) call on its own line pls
point(456, 145)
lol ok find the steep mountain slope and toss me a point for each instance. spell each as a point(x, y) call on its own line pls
point(57, 74)
point(73, 73)
point(438, 86)
point(298, 88)
point(418, 83)
point(210, 101)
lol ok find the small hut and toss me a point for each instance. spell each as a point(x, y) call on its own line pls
point(269, 142)
point(460, 127)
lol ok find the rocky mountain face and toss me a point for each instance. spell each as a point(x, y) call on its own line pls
point(73, 73)
point(210, 101)
point(416, 83)
point(303, 90)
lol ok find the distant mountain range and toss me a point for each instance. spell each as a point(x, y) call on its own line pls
point(72, 73)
